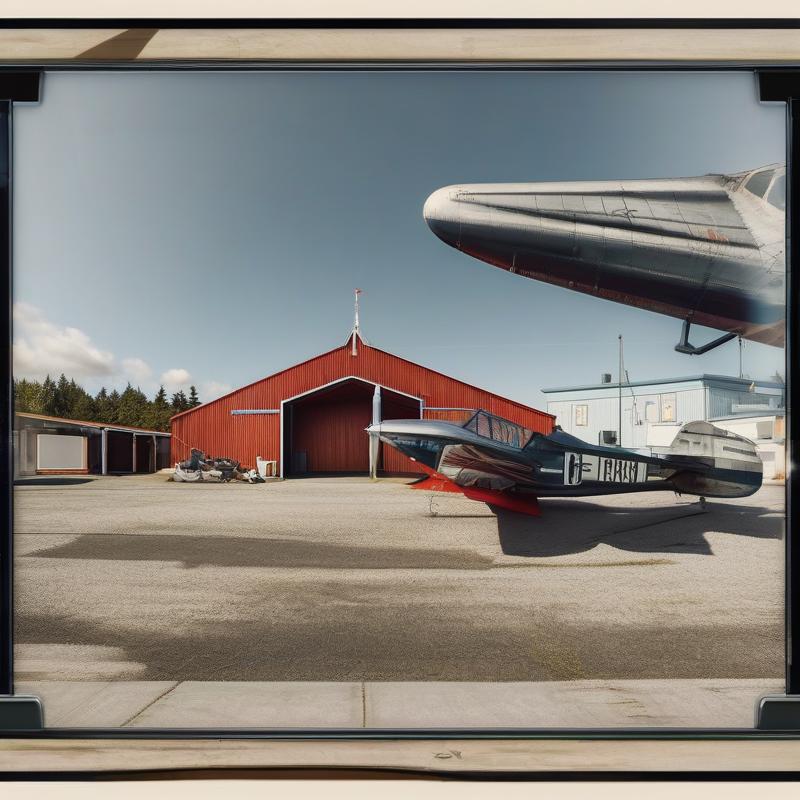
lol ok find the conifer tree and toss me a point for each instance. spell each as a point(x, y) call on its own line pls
point(179, 402)
point(113, 406)
point(67, 398)
point(49, 396)
point(161, 411)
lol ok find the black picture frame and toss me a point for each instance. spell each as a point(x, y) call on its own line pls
point(778, 717)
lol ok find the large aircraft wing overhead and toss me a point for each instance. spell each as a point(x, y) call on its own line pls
point(707, 250)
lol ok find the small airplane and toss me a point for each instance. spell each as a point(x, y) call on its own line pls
point(708, 250)
point(498, 462)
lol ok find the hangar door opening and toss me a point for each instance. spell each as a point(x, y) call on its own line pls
point(130, 452)
point(324, 431)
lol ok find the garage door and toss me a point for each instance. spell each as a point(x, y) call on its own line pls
point(60, 453)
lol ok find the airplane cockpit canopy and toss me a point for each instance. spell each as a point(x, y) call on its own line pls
point(769, 184)
point(498, 429)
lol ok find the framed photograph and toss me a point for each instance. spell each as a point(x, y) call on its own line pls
point(401, 381)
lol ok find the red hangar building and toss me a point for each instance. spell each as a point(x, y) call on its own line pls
point(310, 418)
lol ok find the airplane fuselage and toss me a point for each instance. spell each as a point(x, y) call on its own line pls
point(705, 461)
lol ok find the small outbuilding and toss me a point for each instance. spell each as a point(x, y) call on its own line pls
point(311, 418)
point(55, 446)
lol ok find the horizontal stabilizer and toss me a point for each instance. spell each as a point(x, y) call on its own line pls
point(713, 462)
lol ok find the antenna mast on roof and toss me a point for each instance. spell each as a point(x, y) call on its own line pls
point(356, 334)
point(741, 374)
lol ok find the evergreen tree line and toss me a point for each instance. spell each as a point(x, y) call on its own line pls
point(65, 398)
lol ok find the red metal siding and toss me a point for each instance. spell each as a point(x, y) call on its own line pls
point(449, 415)
point(219, 433)
point(212, 428)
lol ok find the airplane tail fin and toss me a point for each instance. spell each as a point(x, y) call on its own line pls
point(713, 462)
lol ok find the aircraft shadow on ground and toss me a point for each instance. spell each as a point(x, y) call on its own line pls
point(267, 552)
point(363, 642)
point(56, 480)
point(566, 527)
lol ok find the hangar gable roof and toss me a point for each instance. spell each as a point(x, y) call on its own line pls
point(406, 372)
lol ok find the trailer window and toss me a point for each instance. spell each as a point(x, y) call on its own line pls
point(668, 408)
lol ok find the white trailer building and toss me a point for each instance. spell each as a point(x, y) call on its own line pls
point(652, 411)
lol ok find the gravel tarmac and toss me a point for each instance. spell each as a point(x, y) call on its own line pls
point(344, 579)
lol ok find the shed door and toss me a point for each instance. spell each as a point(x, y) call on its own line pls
point(55, 452)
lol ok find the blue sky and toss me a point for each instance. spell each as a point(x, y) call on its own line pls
point(210, 228)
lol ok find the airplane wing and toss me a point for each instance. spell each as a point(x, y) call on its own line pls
point(706, 250)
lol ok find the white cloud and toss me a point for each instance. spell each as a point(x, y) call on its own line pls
point(136, 370)
point(41, 347)
point(175, 379)
point(211, 390)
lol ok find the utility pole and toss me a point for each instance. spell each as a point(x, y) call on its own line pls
point(740, 356)
point(619, 385)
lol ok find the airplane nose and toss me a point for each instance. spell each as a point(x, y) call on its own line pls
point(441, 213)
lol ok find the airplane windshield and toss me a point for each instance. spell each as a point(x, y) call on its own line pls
point(757, 184)
point(498, 429)
point(777, 194)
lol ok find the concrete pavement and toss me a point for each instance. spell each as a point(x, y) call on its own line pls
point(296, 704)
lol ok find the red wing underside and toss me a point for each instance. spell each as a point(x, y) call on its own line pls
point(436, 482)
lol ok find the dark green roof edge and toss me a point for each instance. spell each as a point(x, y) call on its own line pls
point(709, 379)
